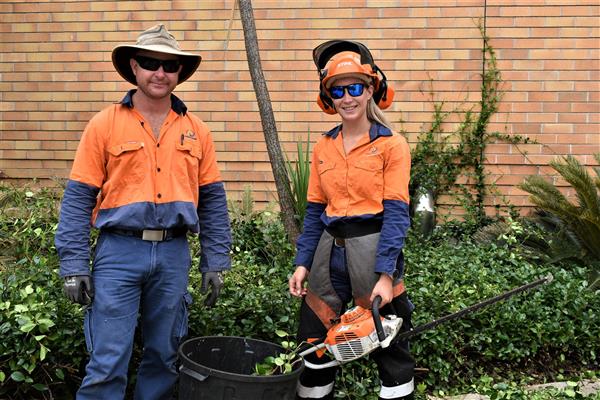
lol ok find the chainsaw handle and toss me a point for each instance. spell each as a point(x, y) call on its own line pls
point(377, 318)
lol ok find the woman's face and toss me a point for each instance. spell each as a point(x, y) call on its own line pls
point(351, 108)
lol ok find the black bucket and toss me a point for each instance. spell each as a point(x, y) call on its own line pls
point(221, 367)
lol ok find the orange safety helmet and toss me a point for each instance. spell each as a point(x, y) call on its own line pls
point(346, 57)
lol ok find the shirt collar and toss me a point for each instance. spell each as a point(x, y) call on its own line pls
point(176, 104)
point(376, 130)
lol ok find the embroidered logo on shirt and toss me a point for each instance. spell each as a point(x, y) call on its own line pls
point(190, 135)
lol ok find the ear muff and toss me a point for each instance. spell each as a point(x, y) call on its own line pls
point(383, 94)
point(324, 101)
point(387, 98)
point(326, 104)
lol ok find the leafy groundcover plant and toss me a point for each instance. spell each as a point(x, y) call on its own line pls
point(544, 335)
point(42, 346)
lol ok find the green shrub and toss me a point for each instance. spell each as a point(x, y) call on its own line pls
point(254, 301)
point(581, 217)
point(545, 334)
point(575, 223)
point(259, 237)
point(42, 343)
point(543, 331)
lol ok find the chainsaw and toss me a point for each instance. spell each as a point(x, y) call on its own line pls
point(361, 331)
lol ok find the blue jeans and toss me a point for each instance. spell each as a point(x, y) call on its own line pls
point(339, 275)
point(136, 279)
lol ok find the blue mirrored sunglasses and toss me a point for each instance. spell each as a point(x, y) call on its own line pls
point(354, 90)
point(152, 64)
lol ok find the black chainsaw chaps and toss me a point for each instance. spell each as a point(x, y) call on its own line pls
point(311, 327)
point(394, 363)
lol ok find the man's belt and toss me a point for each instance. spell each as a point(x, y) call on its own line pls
point(151, 235)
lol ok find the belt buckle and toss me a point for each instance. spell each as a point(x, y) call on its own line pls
point(339, 242)
point(153, 235)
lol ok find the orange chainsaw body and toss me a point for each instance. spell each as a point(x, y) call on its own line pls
point(355, 336)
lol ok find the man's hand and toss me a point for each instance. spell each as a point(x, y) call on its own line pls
point(215, 280)
point(79, 289)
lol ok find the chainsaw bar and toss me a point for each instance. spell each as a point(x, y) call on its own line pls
point(430, 325)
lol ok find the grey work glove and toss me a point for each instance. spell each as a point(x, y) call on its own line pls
point(79, 289)
point(215, 280)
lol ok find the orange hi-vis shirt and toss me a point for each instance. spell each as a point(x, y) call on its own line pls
point(356, 184)
point(368, 184)
point(119, 154)
point(123, 177)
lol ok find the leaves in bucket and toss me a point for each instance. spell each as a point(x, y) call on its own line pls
point(282, 363)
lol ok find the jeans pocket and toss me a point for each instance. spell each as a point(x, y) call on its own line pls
point(182, 328)
point(88, 331)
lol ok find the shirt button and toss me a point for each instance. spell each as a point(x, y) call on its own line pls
point(158, 169)
point(157, 144)
point(159, 195)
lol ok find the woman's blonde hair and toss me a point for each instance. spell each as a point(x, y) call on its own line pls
point(375, 114)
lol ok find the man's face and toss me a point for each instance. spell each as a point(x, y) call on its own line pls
point(156, 74)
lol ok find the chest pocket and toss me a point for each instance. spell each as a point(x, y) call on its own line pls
point(127, 162)
point(328, 178)
point(369, 175)
point(187, 164)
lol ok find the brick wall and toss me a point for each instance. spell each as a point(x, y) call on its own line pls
point(56, 73)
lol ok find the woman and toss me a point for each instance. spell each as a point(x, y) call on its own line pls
point(357, 217)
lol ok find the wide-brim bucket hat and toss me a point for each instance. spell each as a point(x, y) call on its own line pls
point(156, 39)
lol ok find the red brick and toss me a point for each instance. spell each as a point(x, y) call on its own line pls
point(546, 52)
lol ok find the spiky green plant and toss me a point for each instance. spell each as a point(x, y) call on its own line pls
point(298, 173)
point(582, 217)
point(541, 235)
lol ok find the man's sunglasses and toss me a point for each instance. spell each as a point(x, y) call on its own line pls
point(354, 90)
point(152, 64)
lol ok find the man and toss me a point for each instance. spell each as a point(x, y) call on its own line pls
point(145, 174)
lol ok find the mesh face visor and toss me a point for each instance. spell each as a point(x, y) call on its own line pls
point(323, 53)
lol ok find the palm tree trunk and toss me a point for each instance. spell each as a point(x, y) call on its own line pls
point(268, 121)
